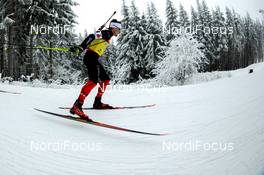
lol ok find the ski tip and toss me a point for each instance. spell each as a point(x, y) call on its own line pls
point(64, 108)
point(9, 92)
point(164, 134)
point(154, 134)
point(40, 110)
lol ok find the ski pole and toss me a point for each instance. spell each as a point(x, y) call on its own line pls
point(101, 28)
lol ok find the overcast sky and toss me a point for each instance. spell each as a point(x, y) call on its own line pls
point(93, 13)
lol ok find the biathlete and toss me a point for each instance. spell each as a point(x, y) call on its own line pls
point(95, 46)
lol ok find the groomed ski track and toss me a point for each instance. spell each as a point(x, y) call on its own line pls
point(228, 111)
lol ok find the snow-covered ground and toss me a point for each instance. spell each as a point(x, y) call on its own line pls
point(216, 128)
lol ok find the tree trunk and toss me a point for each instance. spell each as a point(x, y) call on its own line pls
point(10, 54)
point(2, 51)
point(50, 62)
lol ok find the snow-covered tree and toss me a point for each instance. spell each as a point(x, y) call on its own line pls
point(125, 21)
point(125, 13)
point(131, 47)
point(14, 14)
point(22, 60)
point(194, 21)
point(183, 59)
point(239, 40)
point(262, 29)
point(219, 38)
point(122, 47)
point(156, 45)
point(259, 37)
point(230, 24)
point(109, 60)
point(5, 22)
point(251, 41)
point(183, 17)
point(204, 34)
point(140, 45)
point(172, 22)
point(53, 65)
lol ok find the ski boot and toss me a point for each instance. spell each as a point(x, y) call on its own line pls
point(99, 105)
point(77, 110)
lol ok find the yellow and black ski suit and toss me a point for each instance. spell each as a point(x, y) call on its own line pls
point(95, 48)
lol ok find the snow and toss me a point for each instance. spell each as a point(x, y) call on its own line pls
point(226, 114)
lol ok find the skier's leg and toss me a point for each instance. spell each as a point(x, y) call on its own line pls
point(102, 87)
point(86, 89)
point(104, 80)
point(90, 60)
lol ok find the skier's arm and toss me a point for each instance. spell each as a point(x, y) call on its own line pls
point(106, 34)
point(87, 41)
point(80, 48)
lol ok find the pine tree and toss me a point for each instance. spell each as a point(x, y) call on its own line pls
point(230, 24)
point(125, 21)
point(131, 48)
point(183, 17)
point(144, 73)
point(251, 46)
point(239, 40)
point(172, 22)
point(23, 14)
point(52, 65)
point(262, 29)
point(2, 34)
point(204, 34)
point(65, 17)
point(16, 33)
point(194, 21)
point(259, 33)
point(125, 13)
point(109, 60)
point(155, 48)
point(122, 71)
point(5, 21)
point(219, 32)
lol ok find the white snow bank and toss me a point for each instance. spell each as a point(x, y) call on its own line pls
point(208, 76)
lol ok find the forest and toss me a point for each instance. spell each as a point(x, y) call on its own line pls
point(148, 48)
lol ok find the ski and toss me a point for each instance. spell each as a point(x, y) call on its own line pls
point(8, 92)
point(116, 107)
point(98, 123)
